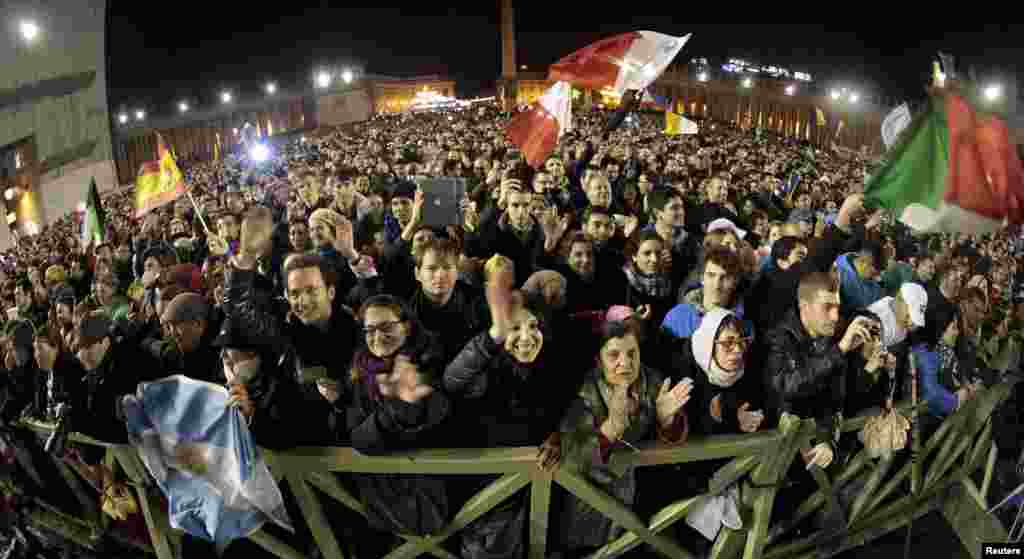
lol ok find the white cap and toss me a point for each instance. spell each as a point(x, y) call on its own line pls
point(916, 299)
point(722, 223)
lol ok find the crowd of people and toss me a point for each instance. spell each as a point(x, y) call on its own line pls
point(636, 287)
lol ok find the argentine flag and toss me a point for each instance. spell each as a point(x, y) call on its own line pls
point(203, 457)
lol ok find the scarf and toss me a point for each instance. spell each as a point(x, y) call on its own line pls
point(892, 333)
point(652, 285)
point(703, 346)
point(368, 366)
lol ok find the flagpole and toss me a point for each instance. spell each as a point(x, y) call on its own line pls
point(199, 212)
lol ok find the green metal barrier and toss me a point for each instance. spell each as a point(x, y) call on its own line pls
point(952, 475)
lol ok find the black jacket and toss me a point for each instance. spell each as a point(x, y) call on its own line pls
point(775, 292)
point(510, 404)
point(804, 376)
point(493, 238)
point(464, 316)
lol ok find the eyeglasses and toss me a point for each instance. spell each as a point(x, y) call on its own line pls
point(385, 328)
point(736, 344)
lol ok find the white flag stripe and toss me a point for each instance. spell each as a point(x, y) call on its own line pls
point(647, 59)
point(895, 123)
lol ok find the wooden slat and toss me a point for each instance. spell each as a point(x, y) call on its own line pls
point(326, 482)
point(540, 508)
point(971, 523)
point(874, 480)
point(275, 546)
point(698, 449)
point(659, 522)
point(315, 517)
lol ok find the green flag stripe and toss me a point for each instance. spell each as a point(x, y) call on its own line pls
point(917, 166)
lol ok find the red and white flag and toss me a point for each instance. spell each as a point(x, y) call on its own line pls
point(627, 61)
point(536, 131)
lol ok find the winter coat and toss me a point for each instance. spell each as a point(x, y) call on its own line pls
point(586, 450)
point(496, 237)
point(464, 315)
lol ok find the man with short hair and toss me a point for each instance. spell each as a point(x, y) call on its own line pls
point(805, 369)
point(668, 212)
point(189, 326)
point(859, 276)
point(515, 234)
point(721, 278)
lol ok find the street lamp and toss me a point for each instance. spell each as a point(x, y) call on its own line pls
point(225, 97)
point(140, 114)
point(854, 97)
point(323, 79)
point(9, 194)
point(122, 118)
point(993, 93)
point(748, 83)
point(346, 76)
point(835, 94)
point(703, 77)
point(183, 106)
point(790, 89)
point(29, 30)
point(271, 88)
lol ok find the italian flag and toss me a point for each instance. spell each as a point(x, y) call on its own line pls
point(955, 170)
point(94, 222)
point(536, 131)
point(627, 61)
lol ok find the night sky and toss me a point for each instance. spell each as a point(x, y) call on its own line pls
point(155, 61)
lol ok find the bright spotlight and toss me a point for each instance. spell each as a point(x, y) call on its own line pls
point(29, 30)
point(139, 115)
point(122, 118)
point(9, 194)
point(835, 95)
point(225, 97)
point(993, 93)
point(790, 89)
point(271, 88)
point(259, 153)
point(183, 106)
point(346, 76)
point(747, 82)
point(323, 79)
point(703, 76)
point(854, 97)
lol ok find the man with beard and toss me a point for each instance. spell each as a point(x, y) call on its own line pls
point(516, 234)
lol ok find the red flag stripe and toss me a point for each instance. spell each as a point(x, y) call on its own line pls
point(595, 66)
point(536, 134)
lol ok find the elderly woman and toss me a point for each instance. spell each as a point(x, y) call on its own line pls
point(621, 404)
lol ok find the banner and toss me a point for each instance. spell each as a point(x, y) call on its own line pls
point(896, 122)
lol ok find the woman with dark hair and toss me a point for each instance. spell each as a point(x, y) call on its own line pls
point(649, 278)
point(621, 403)
point(396, 405)
point(513, 385)
point(587, 287)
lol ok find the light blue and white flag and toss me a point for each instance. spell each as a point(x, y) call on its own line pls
point(203, 457)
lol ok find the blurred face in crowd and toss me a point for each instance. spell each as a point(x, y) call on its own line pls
point(344, 196)
point(525, 338)
point(599, 228)
point(542, 182)
point(866, 267)
point(123, 254)
point(716, 191)
point(152, 266)
point(820, 315)
point(385, 332)
point(796, 256)
point(599, 191)
point(309, 297)
point(401, 208)
point(581, 260)
point(925, 269)
point(730, 347)
point(673, 214)
point(719, 286)
point(422, 237)
point(65, 315)
point(321, 232)
point(774, 233)
point(239, 364)
point(437, 274)
point(555, 168)
point(298, 237)
point(620, 360)
point(22, 296)
point(105, 291)
point(648, 257)
point(34, 276)
point(228, 228)
point(235, 203)
point(91, 356)
point(186, 335)
point(612, 170)
point(803, 202)
point(518, 210)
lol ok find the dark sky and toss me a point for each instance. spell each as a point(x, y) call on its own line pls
point(157, 60)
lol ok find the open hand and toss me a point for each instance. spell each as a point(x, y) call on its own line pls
point(550, 452)
point(671, 399)
point(749, 420)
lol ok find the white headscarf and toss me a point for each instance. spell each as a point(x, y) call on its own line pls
point(703, 345)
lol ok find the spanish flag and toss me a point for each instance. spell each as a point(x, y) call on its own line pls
point(159, 182)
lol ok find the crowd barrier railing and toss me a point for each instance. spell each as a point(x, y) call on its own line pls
point(950, 472)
